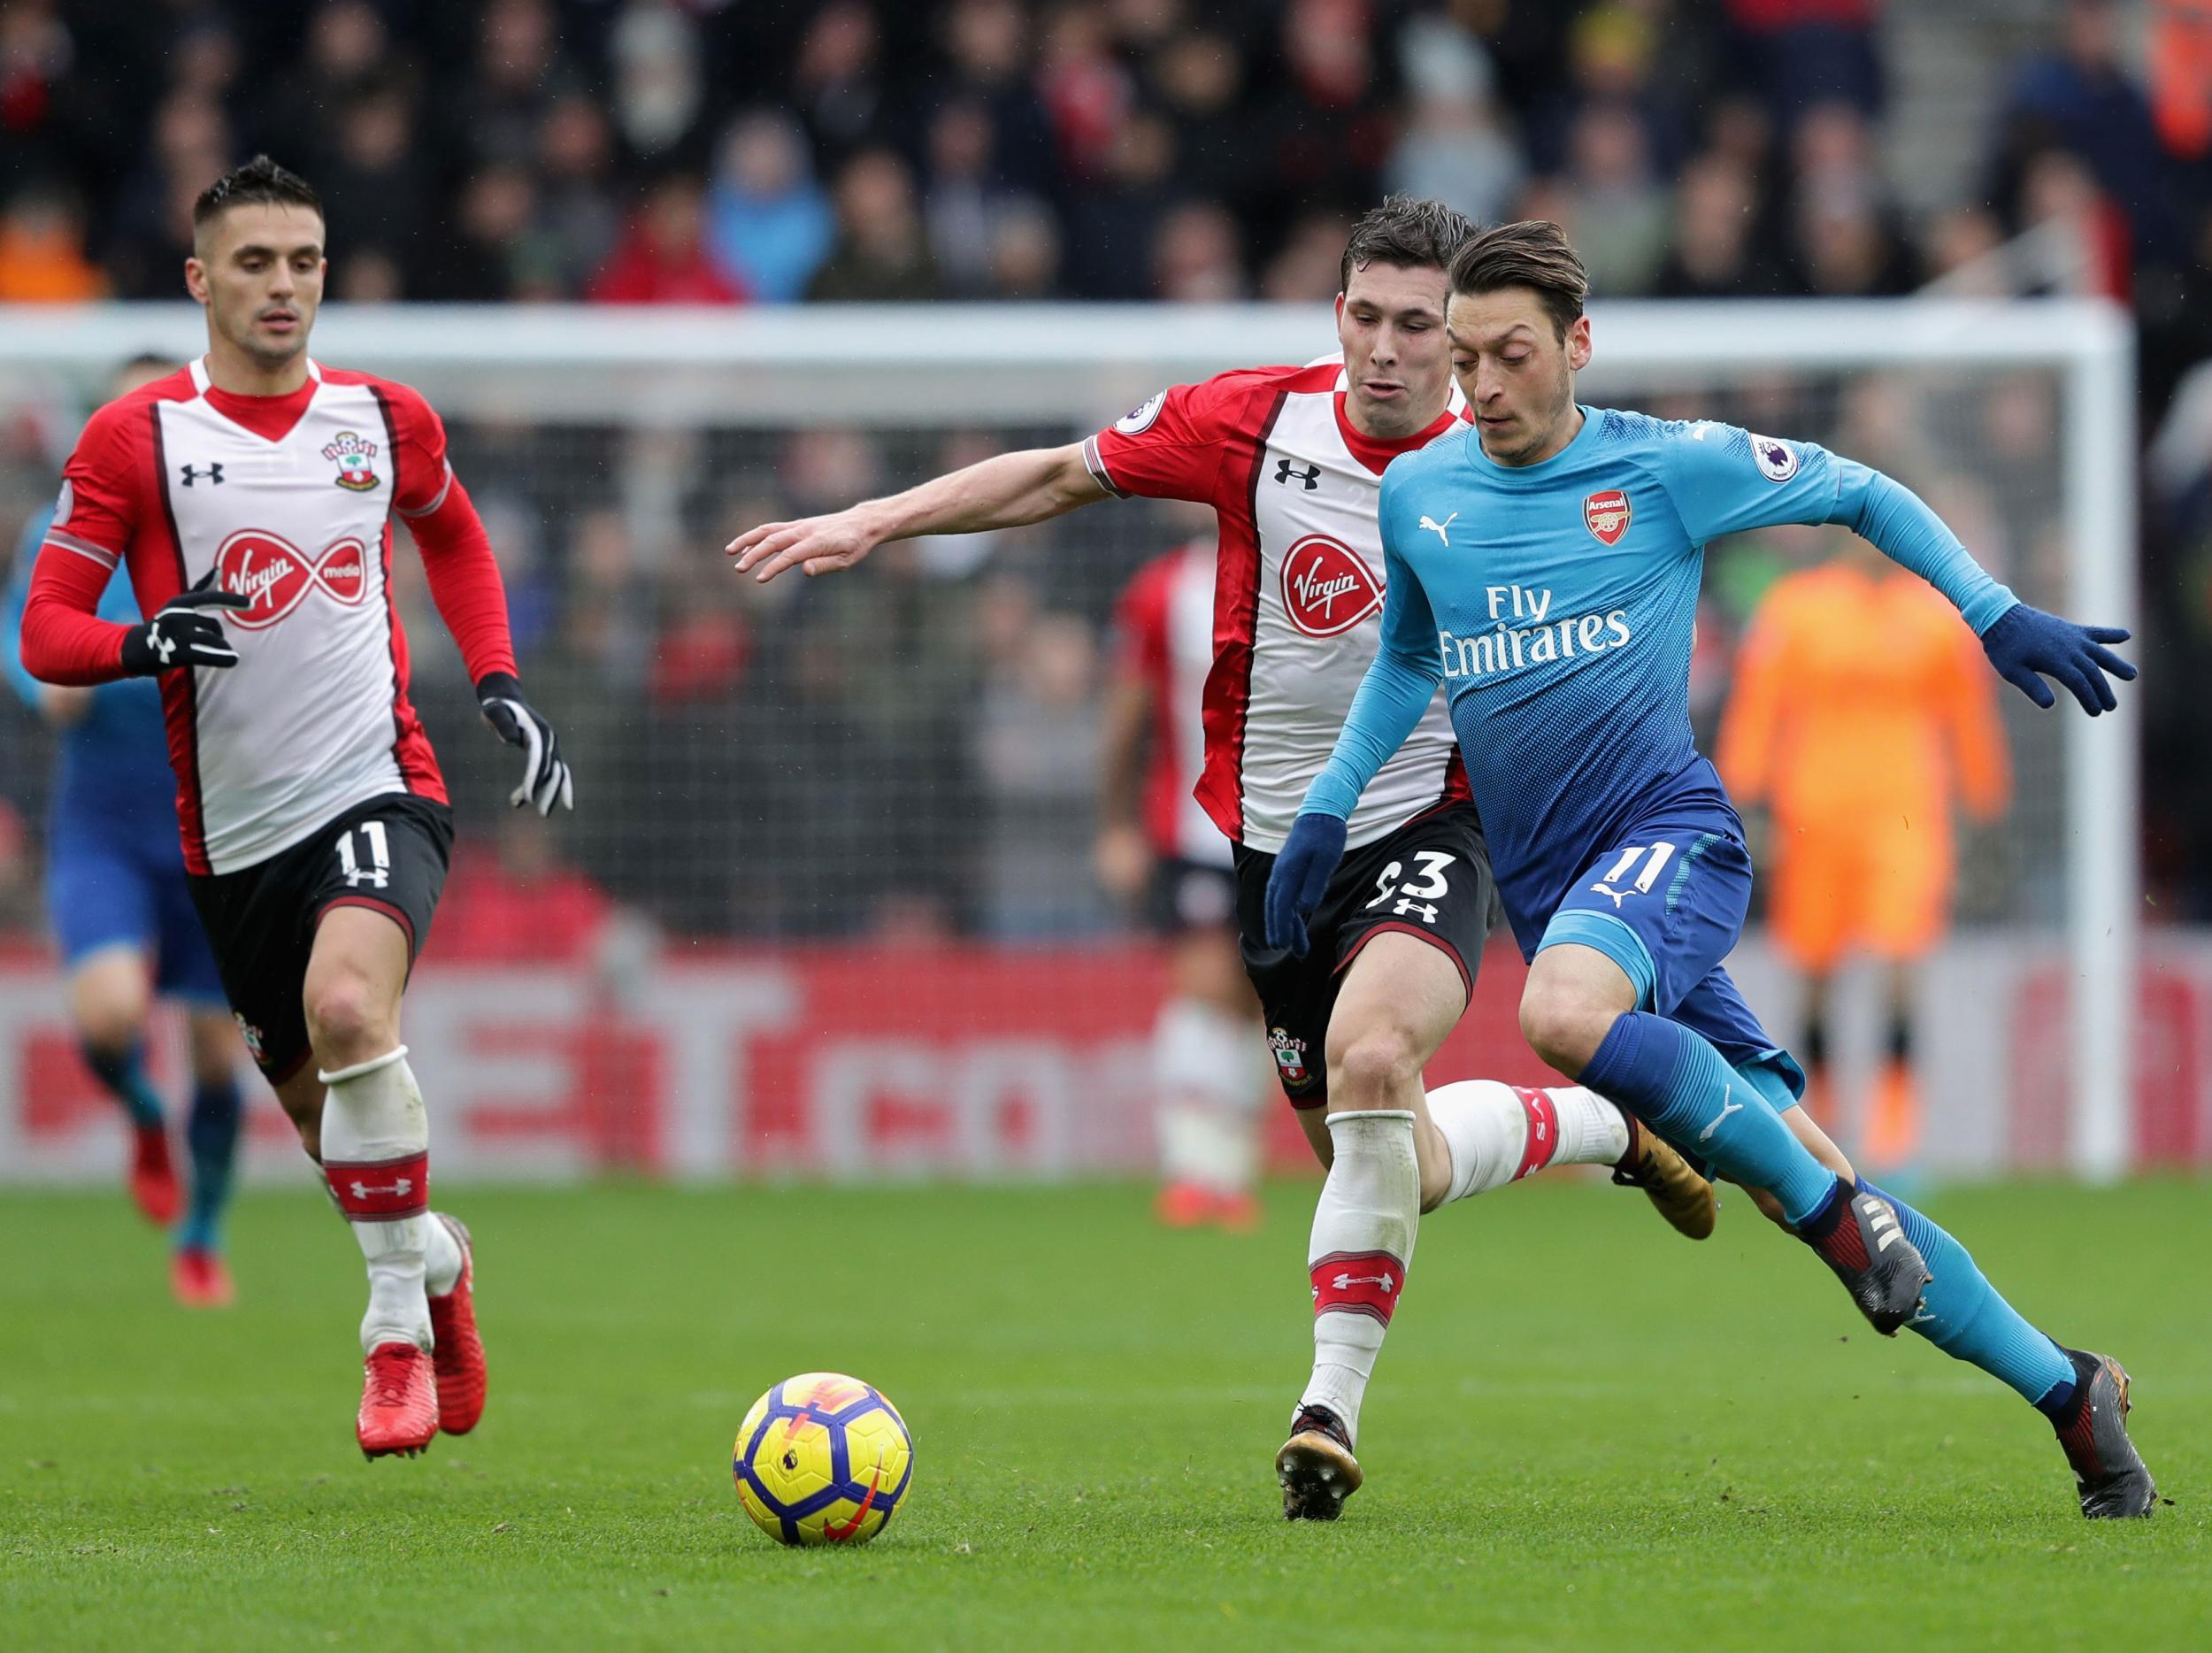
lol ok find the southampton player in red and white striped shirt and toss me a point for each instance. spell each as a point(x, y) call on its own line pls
point(1291, 459)
point(250, 496)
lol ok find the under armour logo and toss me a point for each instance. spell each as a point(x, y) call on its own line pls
point(161, 645)
point(1431, 524)
point(1408, 906)
point(398, 1190)
point(1310, 474)
point(212, 470)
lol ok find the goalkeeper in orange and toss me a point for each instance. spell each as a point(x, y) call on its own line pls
point(1861, 709)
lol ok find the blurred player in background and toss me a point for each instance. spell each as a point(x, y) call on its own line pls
point(1158, 847)
point(1291, 460)
point(1860, 707)
point(251, 498)
point(121, 911)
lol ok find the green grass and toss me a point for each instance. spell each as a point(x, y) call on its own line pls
point(1586, 1432)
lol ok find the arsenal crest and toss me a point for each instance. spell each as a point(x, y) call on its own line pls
point(1605, 515)
point(355, 457)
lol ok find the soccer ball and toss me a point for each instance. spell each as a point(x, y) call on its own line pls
point(822, 1459)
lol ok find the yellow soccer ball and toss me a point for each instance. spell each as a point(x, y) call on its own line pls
point(822, 1459)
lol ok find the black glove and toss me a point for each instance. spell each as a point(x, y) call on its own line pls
point(184, 633)
point(544, 777)
point(2025, 641)
point(1300, 878)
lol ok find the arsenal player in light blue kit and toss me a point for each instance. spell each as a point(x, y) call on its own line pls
point(1543, 564)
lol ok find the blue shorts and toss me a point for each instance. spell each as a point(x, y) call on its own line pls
point(1666, 903)
point(111, 888)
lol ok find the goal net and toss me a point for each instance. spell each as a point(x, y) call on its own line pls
point(830, 862)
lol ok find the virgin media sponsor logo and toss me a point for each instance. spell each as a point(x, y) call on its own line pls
point(1327, 587)
point(277, 575)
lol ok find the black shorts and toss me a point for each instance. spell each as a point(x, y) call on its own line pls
point(1188, 896)
point(1430, 878)
point(389, 854)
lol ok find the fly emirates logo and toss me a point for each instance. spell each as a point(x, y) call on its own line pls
point(1525, 634)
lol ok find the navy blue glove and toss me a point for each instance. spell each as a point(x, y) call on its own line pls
point(2024, 641)
point(1300, 878)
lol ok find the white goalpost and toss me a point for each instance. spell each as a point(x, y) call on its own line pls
point(554, 380)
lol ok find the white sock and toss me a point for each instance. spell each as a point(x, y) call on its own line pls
point(1498, 1134)
point(376, 1157)
point(1363, 1229)
point(1208, 1072)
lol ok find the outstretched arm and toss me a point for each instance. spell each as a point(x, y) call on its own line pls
point(1396, 690)
point(1391, 699)
point(1008, 490)
point(1723, 481)
point(2023, 643)
point(1905, 529)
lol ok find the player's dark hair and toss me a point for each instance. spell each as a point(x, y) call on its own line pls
point(259, 182)
point(1405, 233)
point(1532, 253)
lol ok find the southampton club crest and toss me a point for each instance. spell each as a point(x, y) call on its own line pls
point(355, 456)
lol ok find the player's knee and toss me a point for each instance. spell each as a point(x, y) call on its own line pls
point(1377, 1063)
point(110, 1029)
point(1561, 1026)
point(347, 1019)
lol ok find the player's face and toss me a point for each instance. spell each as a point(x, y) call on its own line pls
point(1516, 372)
point(1397, 366)
point(260, 272)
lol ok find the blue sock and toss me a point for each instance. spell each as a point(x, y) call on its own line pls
point(124, 1074)
point(1964, 1316)
point(212, 1133)
point(1678, 1083)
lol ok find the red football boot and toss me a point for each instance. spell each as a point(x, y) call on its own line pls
point(459, 1357)
point(399, 1401)
point(1183, 1205)
point(200, 1279)
point(153, 1178)
point(1238, 1213)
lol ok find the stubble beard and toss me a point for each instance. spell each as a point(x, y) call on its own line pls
point(1541, 437)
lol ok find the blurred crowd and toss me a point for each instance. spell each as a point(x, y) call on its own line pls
point(636, 151)
point(915, 751)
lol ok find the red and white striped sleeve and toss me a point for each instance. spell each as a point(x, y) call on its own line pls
point(1178, 445)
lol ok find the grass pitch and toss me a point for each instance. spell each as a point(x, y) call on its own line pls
point(1584, 1432)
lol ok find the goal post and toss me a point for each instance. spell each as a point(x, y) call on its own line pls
point(555, 378)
